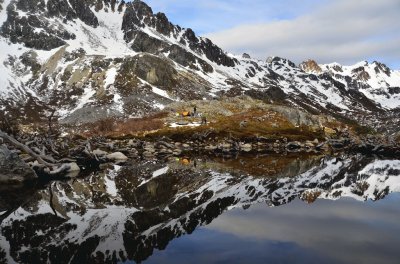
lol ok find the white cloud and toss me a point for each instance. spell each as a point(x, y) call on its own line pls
point(345, 31)
point(215, 15)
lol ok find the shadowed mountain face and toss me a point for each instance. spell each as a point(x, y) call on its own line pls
point(91, 59)
point(125, 213)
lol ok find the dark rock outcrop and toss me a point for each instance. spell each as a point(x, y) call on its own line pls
point(246, 56)
point(380, 67)
point(186, 58)
point(142, 42)
point(139, 15)
point(33, 29)
point(153, 69)
point(360, 74)
point(83, 12)
point(13, 169)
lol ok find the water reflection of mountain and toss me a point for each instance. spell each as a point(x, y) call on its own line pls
point(126, 212)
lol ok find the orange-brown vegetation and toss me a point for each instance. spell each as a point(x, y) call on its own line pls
point(242, 119)
point(116, 128)
point(310, 196)
point(271, 165)
point(244, 126)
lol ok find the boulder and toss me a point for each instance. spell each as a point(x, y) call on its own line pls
point(294, 145)
point(73, 167)
point(309, 144)
point(177, 152)
point(210, 147)
point(73, 170)
point(117, 156)
point(134, 153)
point(100, 153)
point(148, 154)
point(322, 146)
point(149, 148)
point(133, 144)
point(226, 145)
point(13, 169)
point(164, 151)
point(246, 147)
point(339, 143)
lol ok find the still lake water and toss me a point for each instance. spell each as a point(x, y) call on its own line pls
point(265, 209)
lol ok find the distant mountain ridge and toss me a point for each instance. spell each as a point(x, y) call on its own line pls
point(97, 58)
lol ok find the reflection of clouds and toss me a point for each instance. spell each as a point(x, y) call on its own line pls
point(347, 230)
point(210, 246)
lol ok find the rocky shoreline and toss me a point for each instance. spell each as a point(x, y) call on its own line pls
point(144, 149)
point(81, 153)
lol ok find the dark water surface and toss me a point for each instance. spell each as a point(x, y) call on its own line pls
point(343, 231)
point(266, 209)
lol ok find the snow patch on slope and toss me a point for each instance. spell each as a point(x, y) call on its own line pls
point(110, 77)
point(107, 39)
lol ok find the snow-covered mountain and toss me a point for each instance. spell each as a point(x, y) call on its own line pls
point(375, 80)
point(97, 58)
point(127, 212)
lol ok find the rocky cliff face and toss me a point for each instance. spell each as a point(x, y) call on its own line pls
point(97, 58)
point(310, 66)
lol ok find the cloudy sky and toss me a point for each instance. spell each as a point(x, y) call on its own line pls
point(345, 31)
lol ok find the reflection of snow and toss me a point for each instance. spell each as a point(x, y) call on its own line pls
point(110, 186)
point(160, 172)
point(109, 180)
point(156, 174)
point(107, 219)
point(375, 178)
point(5, 245)
point(107, 223)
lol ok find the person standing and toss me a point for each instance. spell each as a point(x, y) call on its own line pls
point(204, 119)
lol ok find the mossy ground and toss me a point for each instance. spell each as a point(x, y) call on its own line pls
point(245, 126)
point(242, 119)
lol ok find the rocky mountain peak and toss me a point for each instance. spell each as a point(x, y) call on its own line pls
point(361, 74)
point(30, 22)
point(310, 66)
point(110, 54)
point(139, 12)
point(139, 15)
point(338, 68)
point(246, 56)
point(278, 61)
point(381, 68)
